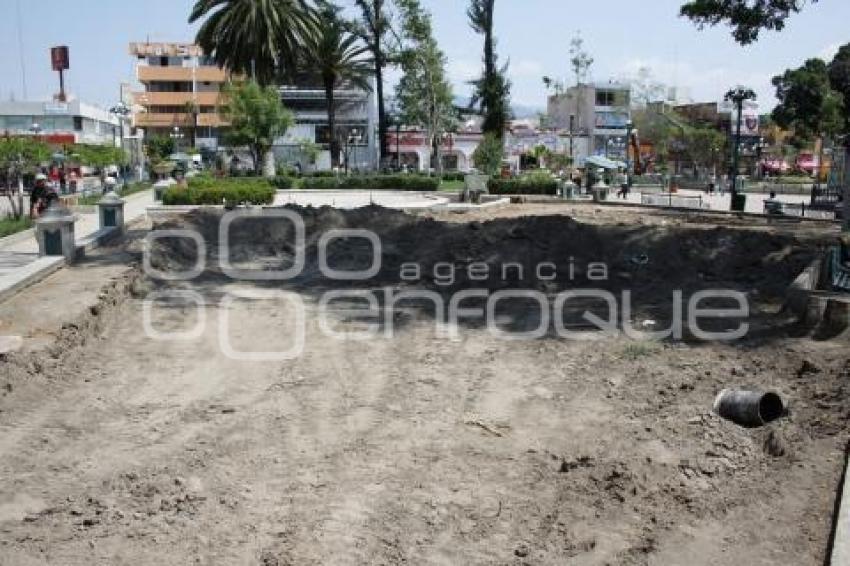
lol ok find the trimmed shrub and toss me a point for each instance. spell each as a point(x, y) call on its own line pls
point(531, 185)
point(374, 183)
point(283, 182)
point(221, 191)
point(319, 174)
point(454, 176)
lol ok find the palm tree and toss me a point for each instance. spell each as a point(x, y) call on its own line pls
point(337, 58)
point(257, 38)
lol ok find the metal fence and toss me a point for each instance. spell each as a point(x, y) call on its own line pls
point(672, 200)
point(798, 210)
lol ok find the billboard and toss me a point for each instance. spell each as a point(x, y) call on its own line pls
point(59, 58)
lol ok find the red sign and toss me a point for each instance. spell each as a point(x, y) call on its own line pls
point(59, 58)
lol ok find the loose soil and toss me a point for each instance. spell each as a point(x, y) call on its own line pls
point(414, 448)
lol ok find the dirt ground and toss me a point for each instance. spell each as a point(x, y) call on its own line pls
point(414, 448)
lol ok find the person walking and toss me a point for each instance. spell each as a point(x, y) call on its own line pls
point(623, 182)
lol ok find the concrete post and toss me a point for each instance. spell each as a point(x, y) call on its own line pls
point(55, 233)
point(111, 211)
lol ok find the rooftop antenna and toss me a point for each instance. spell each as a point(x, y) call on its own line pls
point(21, 49)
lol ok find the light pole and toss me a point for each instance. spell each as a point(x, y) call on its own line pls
point(629, 128)
point(354, 137)
point(121, 111)
point(738, 96)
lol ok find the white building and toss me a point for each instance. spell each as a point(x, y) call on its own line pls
point(60, 123)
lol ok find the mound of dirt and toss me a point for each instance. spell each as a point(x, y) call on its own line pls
point(548, 253)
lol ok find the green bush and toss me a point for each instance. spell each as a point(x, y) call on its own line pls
point(454, 176)
point(283, 182)
point(221, 191)
point(374, 183)
point(319, 174)
point(489, 154)
point(529, 185)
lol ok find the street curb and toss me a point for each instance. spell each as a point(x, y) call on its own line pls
point(841, 531)
point(29, 275)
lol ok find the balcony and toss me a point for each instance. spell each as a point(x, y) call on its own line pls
point(176, 98)
point(149, 120)
point(181, 74)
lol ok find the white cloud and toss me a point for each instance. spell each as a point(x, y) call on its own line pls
point(829, 52)
point(702, 84)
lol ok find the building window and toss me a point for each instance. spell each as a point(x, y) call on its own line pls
point(605, 98)
point(78, 123)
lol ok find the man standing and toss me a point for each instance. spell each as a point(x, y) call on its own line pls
point(623, 181)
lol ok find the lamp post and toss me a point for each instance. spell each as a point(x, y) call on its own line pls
point(738, 96)
point(176, 135)
point(354, 138)
point(121, 111)
point(630, 126)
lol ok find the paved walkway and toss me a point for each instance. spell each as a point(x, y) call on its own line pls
point(19, 259)
point(755, 201)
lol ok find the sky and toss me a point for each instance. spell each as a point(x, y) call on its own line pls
point(533, 35)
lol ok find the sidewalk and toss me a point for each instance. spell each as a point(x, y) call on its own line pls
point(20, 264)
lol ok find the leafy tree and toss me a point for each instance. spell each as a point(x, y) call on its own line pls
point(257, 38)
point(424, 94)
point(645, 89)
point(580, 60)
point(493, 90)
point(705, 146)
point(257, 117)
point(807, 103)
point(375, 28)
point(158, 148)
point(746, 17)
point(18, 156)
point(839, 79)
point(488, 155)
point(337, 57)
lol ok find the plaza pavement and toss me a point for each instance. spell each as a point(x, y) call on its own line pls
point(20, 263)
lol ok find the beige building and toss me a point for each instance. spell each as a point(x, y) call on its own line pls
point(180, 93)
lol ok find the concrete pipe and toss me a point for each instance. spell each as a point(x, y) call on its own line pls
point(749, 408)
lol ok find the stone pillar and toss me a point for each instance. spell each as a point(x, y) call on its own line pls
point(600, 189)
point(54, 232)
point(111, 211)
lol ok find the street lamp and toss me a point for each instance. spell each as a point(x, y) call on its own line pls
point(630, 126)
point(738, 96)
point(121, 111)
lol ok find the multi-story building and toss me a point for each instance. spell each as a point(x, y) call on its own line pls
point(599, 112)
point(356, 126)
point(60, 123)
point(181, 94)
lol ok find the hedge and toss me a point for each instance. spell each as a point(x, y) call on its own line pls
point(221, 191)
point(373, 182)
point(523, 186)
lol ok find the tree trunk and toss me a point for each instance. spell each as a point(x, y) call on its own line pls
point(329, 96)
point(269, 169)
point(383, 143)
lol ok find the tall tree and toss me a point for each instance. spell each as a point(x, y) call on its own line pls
point(807, 103)
point(839, 79)
point(375, 27)
point(257, 38)
point(338, 58)
point(424, 95)
point(17, 157)
point(746, 17)
point(493, 90)
point(257, 117)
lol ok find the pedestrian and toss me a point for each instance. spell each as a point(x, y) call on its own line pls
point(623, 182)
point(38, 196)
point(712, 184)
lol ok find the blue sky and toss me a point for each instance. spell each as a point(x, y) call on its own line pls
point(622, 36)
